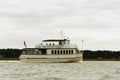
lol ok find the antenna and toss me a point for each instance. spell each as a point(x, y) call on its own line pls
point(82, 44)
point(61, 34)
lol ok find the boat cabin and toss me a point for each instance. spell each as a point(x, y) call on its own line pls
point(50, 47)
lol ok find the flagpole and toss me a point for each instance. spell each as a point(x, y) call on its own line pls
point(82, 44)
point(25, 44)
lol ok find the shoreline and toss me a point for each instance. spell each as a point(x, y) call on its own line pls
point(101, 59)
point(17, 59)
point(14, 59)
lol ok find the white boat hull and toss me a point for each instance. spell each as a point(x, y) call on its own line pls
point(50, 59)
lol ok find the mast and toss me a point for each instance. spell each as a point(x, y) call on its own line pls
point(82, 44)
point(61, 35)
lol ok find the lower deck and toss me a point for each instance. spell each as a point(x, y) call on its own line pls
point(51, 55)
point(51, 58)
point(48, 51)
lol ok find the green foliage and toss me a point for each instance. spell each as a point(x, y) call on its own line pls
point(10, 53)
point(87, 54)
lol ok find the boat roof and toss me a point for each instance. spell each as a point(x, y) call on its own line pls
point(54, 40)
point(45, 48)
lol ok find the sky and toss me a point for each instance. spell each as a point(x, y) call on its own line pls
point(96, 22)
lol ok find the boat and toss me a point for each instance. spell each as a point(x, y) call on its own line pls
point(52, 50)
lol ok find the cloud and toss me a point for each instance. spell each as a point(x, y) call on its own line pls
point(95, 21)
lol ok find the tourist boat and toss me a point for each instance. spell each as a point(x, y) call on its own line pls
point(52, 50)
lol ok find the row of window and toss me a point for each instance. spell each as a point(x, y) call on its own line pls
point(34, 52)
point(62, 52)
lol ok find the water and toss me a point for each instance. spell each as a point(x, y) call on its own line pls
point(87, 70)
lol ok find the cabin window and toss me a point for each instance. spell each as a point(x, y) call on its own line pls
point(31, 52)
point(24, 52)
point(58, 51)
point(35, 52)
point(64, 52)
point(69, 52)
point(52, 52)
point(39, 52)
point(55, 51)
point(61, 51)
point(72, 51)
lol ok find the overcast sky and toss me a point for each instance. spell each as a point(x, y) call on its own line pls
point(97, 22)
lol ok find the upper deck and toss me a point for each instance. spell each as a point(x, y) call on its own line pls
point(55, 43)
point(53, 46)
point(60, 41)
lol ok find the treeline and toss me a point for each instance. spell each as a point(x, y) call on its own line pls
point(87, 54)
point(10, 53)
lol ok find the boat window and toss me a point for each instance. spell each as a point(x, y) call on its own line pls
point(55, 51)
point(66, 51)
point(58, 51)
point(24, 52)
point(72, 51)
point(69, 52)
point(61, 52)
point(40, 52)
point(35, 52)
point(52, 51)
point(31, 52)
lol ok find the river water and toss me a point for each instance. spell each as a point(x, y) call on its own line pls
point(87, 70)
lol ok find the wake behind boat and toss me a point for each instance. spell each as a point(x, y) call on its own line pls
point(52, 50)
